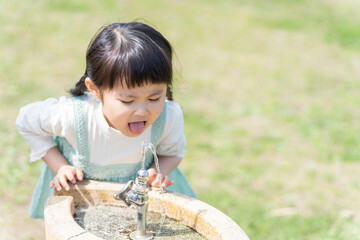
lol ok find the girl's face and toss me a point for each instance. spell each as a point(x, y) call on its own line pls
point(133, 110)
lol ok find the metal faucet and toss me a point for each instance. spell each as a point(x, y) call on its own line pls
point(139, 197)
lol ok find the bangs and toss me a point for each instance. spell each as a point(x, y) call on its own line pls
point(143, 64)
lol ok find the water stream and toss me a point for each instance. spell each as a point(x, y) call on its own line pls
point(150, 146)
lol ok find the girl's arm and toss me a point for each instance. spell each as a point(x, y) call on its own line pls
point(38, 122)
point(167, 164)
point(62, 170)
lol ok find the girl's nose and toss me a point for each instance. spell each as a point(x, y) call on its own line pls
point(141, 110)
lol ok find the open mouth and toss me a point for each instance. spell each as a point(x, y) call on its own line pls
point(137, 127)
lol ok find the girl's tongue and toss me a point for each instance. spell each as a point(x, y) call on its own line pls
point(136, 127)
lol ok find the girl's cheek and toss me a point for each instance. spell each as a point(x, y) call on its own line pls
point(157, 110)
point(121, 107)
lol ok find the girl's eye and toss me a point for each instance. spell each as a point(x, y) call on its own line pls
point(155, 99)
point(126, 102)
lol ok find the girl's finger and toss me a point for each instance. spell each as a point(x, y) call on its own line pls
point(79, 174)
point(63, 182)
point(167, 182)
point(70, 176)
point(51, 184)
point(151, 179)
point(57, 184)
point(155, 183)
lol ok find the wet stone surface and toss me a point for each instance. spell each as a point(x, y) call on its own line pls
point(112, 223)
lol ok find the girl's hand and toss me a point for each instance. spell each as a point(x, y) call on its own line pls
point(65, 173)
point(153, 180)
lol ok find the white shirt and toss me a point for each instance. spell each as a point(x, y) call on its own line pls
point(38, 122)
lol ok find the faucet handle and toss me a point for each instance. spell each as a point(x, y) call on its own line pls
point(123, 194)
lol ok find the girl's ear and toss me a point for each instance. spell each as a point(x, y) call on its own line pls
point(92, 88)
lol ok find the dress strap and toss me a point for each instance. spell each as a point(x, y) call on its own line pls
point(81, 132)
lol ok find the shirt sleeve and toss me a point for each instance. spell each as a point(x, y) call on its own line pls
point(38, 122)
point(172, 140)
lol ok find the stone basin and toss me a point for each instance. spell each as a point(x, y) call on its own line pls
point(203, 218)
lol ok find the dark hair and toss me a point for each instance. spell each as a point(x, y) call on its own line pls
point(132, 53)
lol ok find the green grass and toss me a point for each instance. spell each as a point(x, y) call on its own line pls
point(269, 89)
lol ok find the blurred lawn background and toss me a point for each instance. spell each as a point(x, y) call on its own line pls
point(269, 90)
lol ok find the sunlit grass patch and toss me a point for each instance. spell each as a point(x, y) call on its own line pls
point(340, 26)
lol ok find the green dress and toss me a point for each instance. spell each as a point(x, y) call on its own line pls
point(80, 159)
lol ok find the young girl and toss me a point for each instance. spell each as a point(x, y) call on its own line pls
point(118, 104)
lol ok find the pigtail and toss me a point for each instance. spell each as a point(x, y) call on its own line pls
point(80, 87)
point(169, 94)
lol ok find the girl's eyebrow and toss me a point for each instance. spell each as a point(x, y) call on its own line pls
point(157, 92)
point(130, 95)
